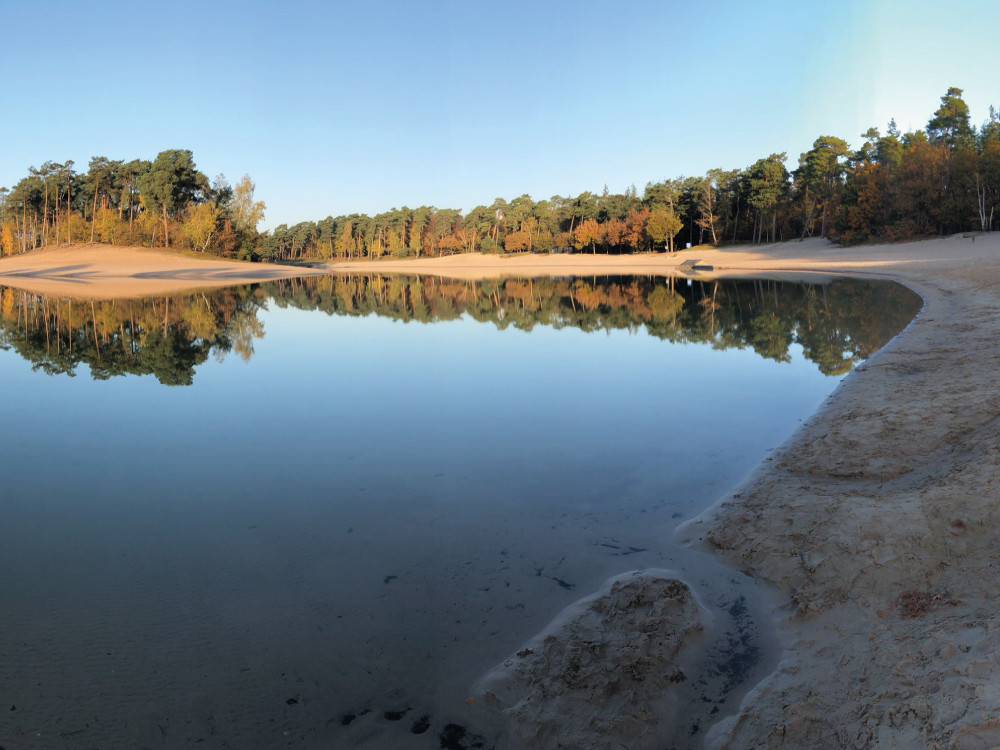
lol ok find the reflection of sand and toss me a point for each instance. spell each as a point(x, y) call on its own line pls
point(103, 272)
point(878, 519)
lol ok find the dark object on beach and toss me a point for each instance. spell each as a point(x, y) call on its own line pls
point(421, 725)
point(396, 715)
point(525, 652)
point(387, 579)
point(694, 265)
point(291, 701)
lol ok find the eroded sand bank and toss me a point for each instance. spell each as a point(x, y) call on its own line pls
point(878, 519)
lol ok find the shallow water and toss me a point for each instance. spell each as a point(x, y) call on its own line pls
point(326, 533)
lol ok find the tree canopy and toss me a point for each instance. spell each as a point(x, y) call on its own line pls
point(939, 180)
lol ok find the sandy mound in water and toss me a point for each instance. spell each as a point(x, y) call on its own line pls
point(604, 673)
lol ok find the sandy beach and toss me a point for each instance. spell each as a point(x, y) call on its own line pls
point(104, 272)
point(877, 520)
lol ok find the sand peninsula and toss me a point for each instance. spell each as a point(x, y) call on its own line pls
point(105, 272)
point(877, 520)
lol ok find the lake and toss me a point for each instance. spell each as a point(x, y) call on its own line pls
point(313, 513)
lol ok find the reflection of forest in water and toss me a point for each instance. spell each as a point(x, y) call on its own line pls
point(837, 324)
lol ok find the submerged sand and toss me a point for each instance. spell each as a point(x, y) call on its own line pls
point(878, 520)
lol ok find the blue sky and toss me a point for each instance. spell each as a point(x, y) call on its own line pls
point(362, 106)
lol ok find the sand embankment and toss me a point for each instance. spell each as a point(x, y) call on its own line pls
point(103, 272)
point(879, 519)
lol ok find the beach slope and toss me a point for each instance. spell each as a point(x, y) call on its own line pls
point(105, 272)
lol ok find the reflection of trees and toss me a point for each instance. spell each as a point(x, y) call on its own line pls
point(167, 337)
point(836, 324)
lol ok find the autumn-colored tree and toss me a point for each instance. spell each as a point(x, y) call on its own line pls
point(615, 231)
point(662, 226)
point(246, 212)
point(8, 242)
point(920, 183)
point(517, 242)
point(635, 229)
point(587, 232)
point(200, 225)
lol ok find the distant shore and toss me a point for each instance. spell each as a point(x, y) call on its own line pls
point(808, 256)
point(877, 520)
point(105, 271)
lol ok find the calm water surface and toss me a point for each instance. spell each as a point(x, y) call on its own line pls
point(302, 514)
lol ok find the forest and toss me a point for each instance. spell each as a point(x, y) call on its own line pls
point(936, 181)
point(837, 324)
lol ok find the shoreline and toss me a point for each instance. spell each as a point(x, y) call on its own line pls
point(105, 272)
point(876, 519)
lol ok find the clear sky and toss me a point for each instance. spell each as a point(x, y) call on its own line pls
point(365, 105)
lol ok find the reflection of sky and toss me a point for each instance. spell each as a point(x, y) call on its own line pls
point(320, 388)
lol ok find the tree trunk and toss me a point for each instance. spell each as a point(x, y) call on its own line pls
point(166, 229)
point(808, 223)
point(822, 230)
point(45, 214)
point(93, 214)
point(736, 221)
point(69, 211)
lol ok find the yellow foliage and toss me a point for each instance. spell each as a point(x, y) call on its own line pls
point(199, 225)
point(8, 303)
point(110, 228)
point(7, 241)
point(200, 319)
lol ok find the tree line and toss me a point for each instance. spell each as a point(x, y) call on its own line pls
point(836, 324)
point(939, 180)
point(166, 202)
